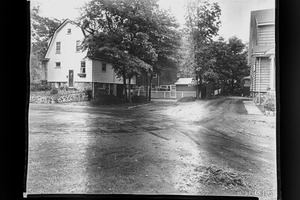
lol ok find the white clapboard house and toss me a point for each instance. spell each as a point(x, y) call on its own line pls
point(262, 53)
point(65, 64)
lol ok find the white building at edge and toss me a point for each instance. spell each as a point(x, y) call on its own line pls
point(66, 65)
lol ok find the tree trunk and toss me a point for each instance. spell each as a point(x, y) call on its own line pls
point(197, 88)
point(218, 85)
point(232, 85)
point(146, 88)
point(124, 85)
point(129, 90)
point(200, 87)
point(150, 82)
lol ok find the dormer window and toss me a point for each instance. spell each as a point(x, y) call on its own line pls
point(69, 31)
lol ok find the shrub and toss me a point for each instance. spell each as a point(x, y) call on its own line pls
point(54, 91)
point(88, 92)
point(40, 87)
point(187, 99)
point(269, 103)
point(139, 99)
point(64, 87)
point(107, 100)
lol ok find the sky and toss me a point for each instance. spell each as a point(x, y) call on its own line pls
point(235, 14)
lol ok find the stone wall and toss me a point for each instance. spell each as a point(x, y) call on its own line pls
point(101, 89)
point(58, 98)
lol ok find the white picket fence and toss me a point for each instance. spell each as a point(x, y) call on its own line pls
point(173, 95)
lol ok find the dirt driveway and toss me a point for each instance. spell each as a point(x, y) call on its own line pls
point(204, 147)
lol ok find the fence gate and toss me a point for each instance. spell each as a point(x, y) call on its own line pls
point(173, 91)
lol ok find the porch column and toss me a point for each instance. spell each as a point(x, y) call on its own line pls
point(272, 72)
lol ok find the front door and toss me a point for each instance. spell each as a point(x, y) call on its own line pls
point(71, 78)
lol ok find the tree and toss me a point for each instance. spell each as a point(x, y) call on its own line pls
point(134, 35)
point(42, 28)
point(231, 63)
point(202, 23)
point(166, 40)
point(118, 31)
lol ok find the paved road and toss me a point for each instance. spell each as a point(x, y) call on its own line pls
point(202, 147)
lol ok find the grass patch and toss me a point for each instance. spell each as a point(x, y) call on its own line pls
point(139, 99)
point(107, 100)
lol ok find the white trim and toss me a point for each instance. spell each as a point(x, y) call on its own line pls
point(265, 23)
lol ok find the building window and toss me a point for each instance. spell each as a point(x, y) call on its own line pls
point(69, 31)
point(57, 65)
point(78, 43)
point(103, 67)
point(82, 67)
point(58, 45)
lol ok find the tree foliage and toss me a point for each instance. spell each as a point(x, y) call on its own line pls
point(134, 35)
point(230, 63)
point(202, 24)
point(42, 28)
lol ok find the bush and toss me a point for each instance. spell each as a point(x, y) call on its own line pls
point(187, 99)
point(88, 92)
point(107, 100)
point(64, 87)
point(139, 99)
point(39, 87)
point(269, 103)
point(54, 91)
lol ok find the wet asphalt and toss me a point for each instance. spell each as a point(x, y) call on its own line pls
point(150, 149)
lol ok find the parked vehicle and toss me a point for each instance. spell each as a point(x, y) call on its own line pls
point(164, 88)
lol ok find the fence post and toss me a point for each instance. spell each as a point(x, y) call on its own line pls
point(164, 95)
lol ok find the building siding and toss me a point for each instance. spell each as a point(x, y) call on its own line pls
point(106, 77)
point(266, 35)
point(261, 43)
point(68, 57)
point(261, 81)
point(185, 88)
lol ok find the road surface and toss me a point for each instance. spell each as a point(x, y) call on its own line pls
point(210, 147)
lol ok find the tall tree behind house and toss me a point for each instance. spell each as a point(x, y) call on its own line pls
point(42, 28)
point(202, 23)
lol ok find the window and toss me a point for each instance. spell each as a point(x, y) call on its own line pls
point(57, 47)
point(82, 67)
point(78, 43)
point(103, 67)
point(57, 65)
point(102, 86)
point(69, 31)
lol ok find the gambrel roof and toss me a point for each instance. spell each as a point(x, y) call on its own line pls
point(58, 29)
